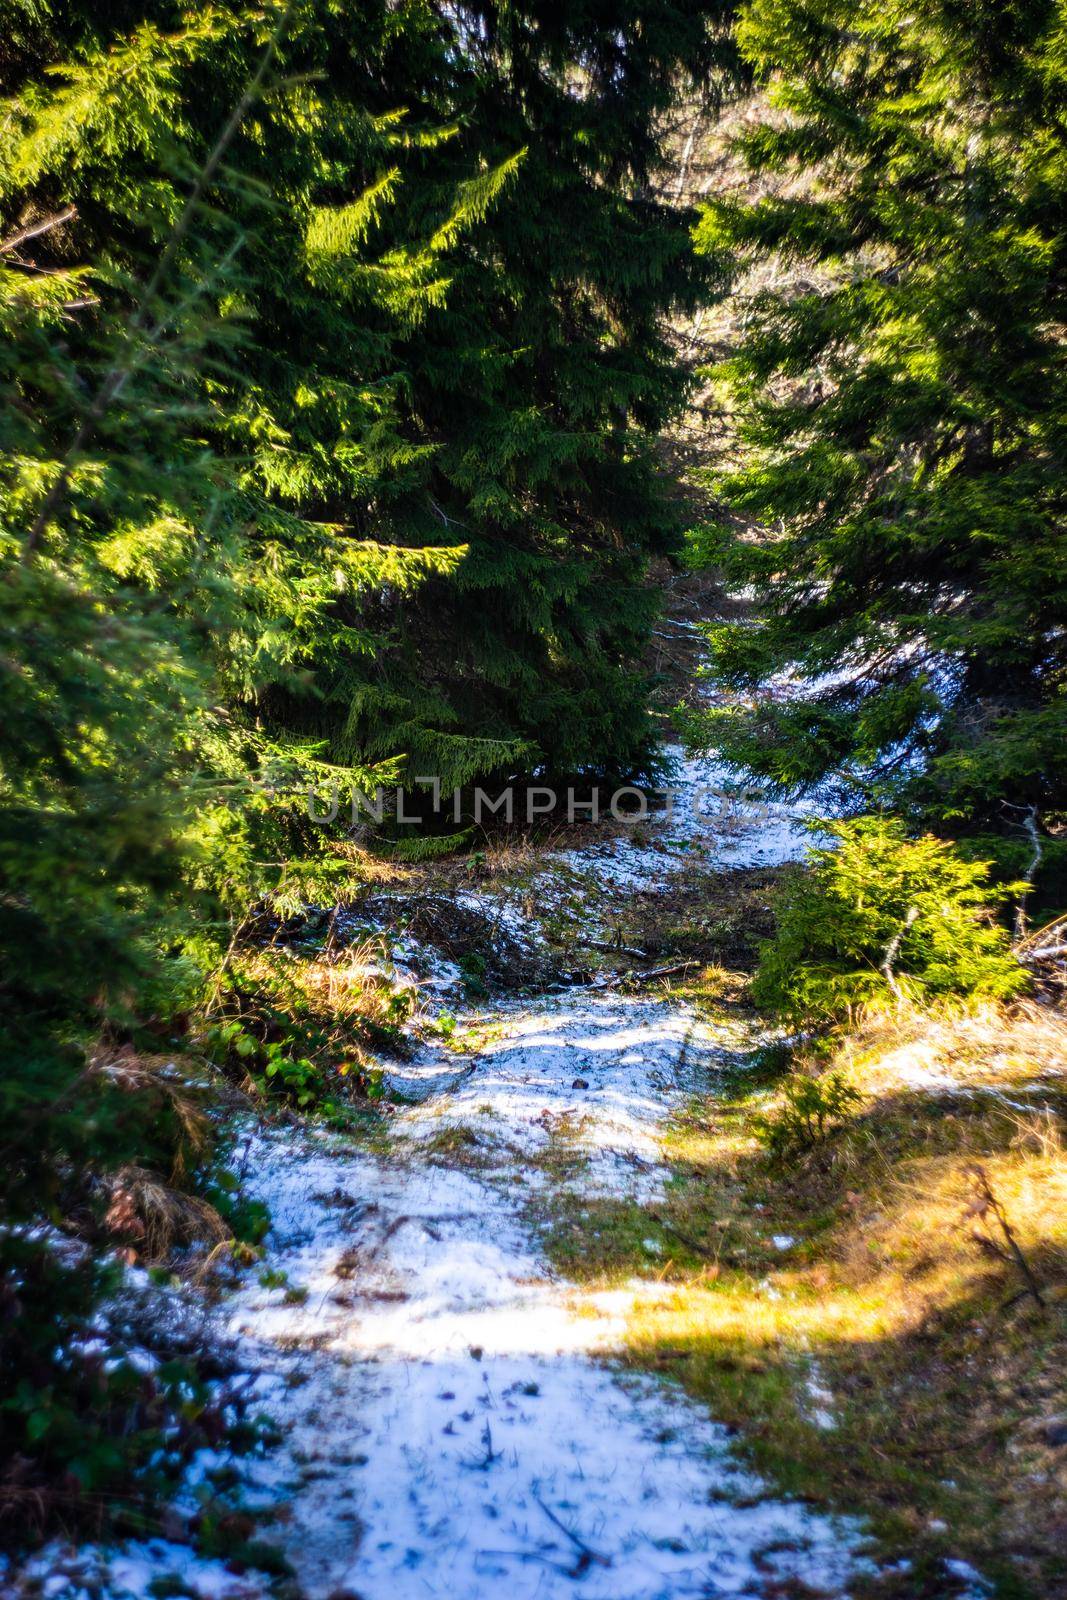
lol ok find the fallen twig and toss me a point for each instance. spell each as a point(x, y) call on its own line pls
point(648, 976)
point(587, 1557)
point(985, 1203)
point(1046, 953)
point(484, 1462)
point(684, 1238)
point(1036, 945)
point(610, 949)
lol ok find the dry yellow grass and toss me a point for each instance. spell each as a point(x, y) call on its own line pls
point(154, 1219)
point(890, 1358)
point(984, 1046)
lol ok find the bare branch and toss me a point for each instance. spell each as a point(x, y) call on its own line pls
point(1030, 825)
point(891, 951)
point(33, 229)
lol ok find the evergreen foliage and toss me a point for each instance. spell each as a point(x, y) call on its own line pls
point(330, 361)
point(811, 1109)
point(541, 392)
point(879, 917)
point(900, 393)
point(151, 593)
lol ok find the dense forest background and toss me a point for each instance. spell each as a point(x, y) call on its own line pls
point(361, 365)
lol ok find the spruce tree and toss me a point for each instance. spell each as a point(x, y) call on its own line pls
point(518, 423)
point(287, 345)
point(900, 399)
point(453, 319)
point(152, 593)
point(547, 382)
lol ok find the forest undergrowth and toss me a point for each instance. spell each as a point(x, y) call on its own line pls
point(440, 400)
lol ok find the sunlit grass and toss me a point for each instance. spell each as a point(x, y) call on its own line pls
point(855, 1312)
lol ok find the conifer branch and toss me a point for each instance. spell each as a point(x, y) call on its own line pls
point(119, 375)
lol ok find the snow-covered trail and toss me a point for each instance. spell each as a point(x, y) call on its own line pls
point(453, 1422)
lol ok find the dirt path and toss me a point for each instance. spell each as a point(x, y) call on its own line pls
point(453, 1421)
point(454, 1424)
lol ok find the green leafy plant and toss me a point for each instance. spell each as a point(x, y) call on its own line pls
point(473, 966)
point(298, 1075)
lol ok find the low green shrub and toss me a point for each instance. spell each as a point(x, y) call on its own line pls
point(881, 917)
point(811, 1109)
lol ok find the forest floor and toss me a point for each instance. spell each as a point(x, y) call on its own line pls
point(453, 1416)
point(550, 1325)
